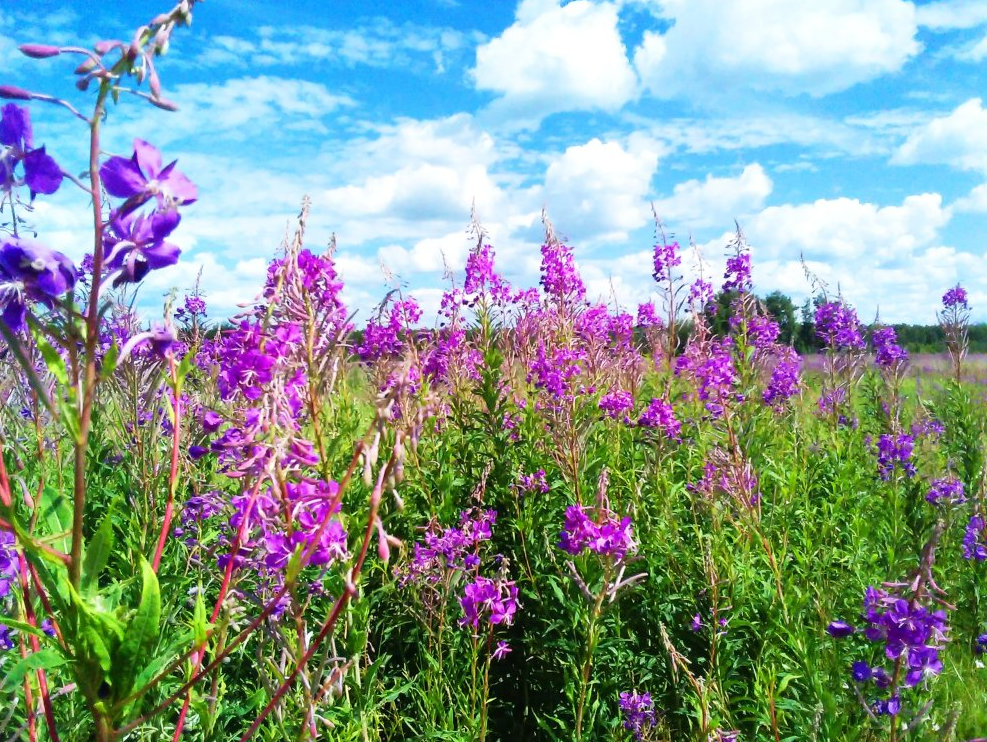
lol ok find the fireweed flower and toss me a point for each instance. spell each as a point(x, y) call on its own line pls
point(41, 173)
point(738, 273)
point(452, 548)
point(647, 315)
point(617, 404)
point(785, 379)
point(700, 295)
point(887, 352)
point(607, 535)
point(955, 298)
point(946, 491)
point(140, 178)
point(837, 325)
point(559, 277)
point(531, 483)
point(29, 271)
point(501, 651)
point(492, 601)
point(711, 366)
point(666, 257)
point(659, 415)
point(895, 452)
point(639, 712)
point(980, 644)
point(136, 244)
point(974, 545)
point(908, 633)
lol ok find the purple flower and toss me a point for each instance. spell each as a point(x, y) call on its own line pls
point(41, 173)
point(537, 482)
point(608, 536)
point(861, 672)
point(639, 712)
point(8, 563)
point(837, 325)
point(980, 644)
point(974, 547)
point(666, 257)
point(738, 273)
point(501, 651)
point(946, 490)
point(559, 277)
point(647, 315)
point(29, 271)
point(840, 629)
point(955, 298)
point(895, 452)
point(137, 243)
point(660, 415)
point(887, 352)
point(489, 600)
point(616, 404)
point(141, 177)
point(785, 379)
point(697, 623)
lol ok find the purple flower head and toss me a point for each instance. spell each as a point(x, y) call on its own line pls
point(887, 352)
point(840, 629)
point(141, 178)
point(738, 273)
point(41, 173)
point(666, 257)
point(980, 644)
point(494, 601)
point(895, 452)
point(482, 277)
point(29, 271)
point(502, 650)
point(946, 491)
point(647, 315)
point(8, 564)
point(861, 672)
point(696, 624)
point(955, 298)
point(608, 535)
point(974, 545)
point(137, 244)
point(559, 277)
point(659, 415)
point(700, 295)
point(837, 325)
point(616, 404)
point(530, 483)
point(785, 379)
point(639, 713)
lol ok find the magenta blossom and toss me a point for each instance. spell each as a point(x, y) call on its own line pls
point(29, 271)
point(41, 173)
point(141, 177)
point(137, 244)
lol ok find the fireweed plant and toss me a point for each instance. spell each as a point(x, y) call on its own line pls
point(542, 517)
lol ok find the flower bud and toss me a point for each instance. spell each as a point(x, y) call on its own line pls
point(12, 92)
point(164, 104)
point(86, 67)
point(103, 47)
point(39, 51)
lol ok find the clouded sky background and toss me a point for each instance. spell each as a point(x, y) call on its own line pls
point(853, 132)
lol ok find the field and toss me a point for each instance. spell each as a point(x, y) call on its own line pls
point(536, 518)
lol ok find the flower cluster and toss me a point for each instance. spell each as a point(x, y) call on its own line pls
point(532, 483)
point(617, 404)
point(887, 352)
point(481, 277)
point(41, 174)
point(639, 713)
point(31, 273)
point(659, 415)
point(785, 379)
point(738, 273)
point(895, 452)
point(607, 535)
point(559, 277)
point(450, 548)
point(910, 634)
point(666, 257)
point(946, 491)
point(974, 545)
point(712, 368)
point(837, 325)
point(955, 298)
point(491, 600)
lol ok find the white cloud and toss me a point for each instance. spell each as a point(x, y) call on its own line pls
point(597, 190)
point(715, 202)
point(775, 45)
point(975, 201)
point(556, 59)
point(959, 139)
point(947, 15)
point(975, 53)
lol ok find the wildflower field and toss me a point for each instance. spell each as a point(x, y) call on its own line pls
point(537, 518)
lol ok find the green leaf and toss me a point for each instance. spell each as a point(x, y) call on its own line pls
point(13, 623)
point(53, 361)
point(97, 554)
point(200, 625)
point(56, 515)
point(46, 659)
point(141, 634)
point(109, 363)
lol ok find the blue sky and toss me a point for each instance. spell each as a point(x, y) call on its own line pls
point(853, 132)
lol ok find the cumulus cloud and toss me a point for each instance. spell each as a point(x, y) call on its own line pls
point(958, 139)
point(715, 202)
point(947, 15)
point(598, 190)
point(775, 45)
point(553, 59)
point(975, 201)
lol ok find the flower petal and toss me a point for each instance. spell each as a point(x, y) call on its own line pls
point(147, 158)
point(122, 178)
point(41, 173)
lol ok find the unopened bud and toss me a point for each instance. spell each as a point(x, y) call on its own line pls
point(399, 472)
point(11, 92)
point(164, 104)
point(368, 472)
point(160, 19)
point(86, 67)
point(103, 47)
point(39, 51)
point(83, 83)
point(398, 502)
point(383, 548)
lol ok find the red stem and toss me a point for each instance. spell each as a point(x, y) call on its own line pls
point(173, 476)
